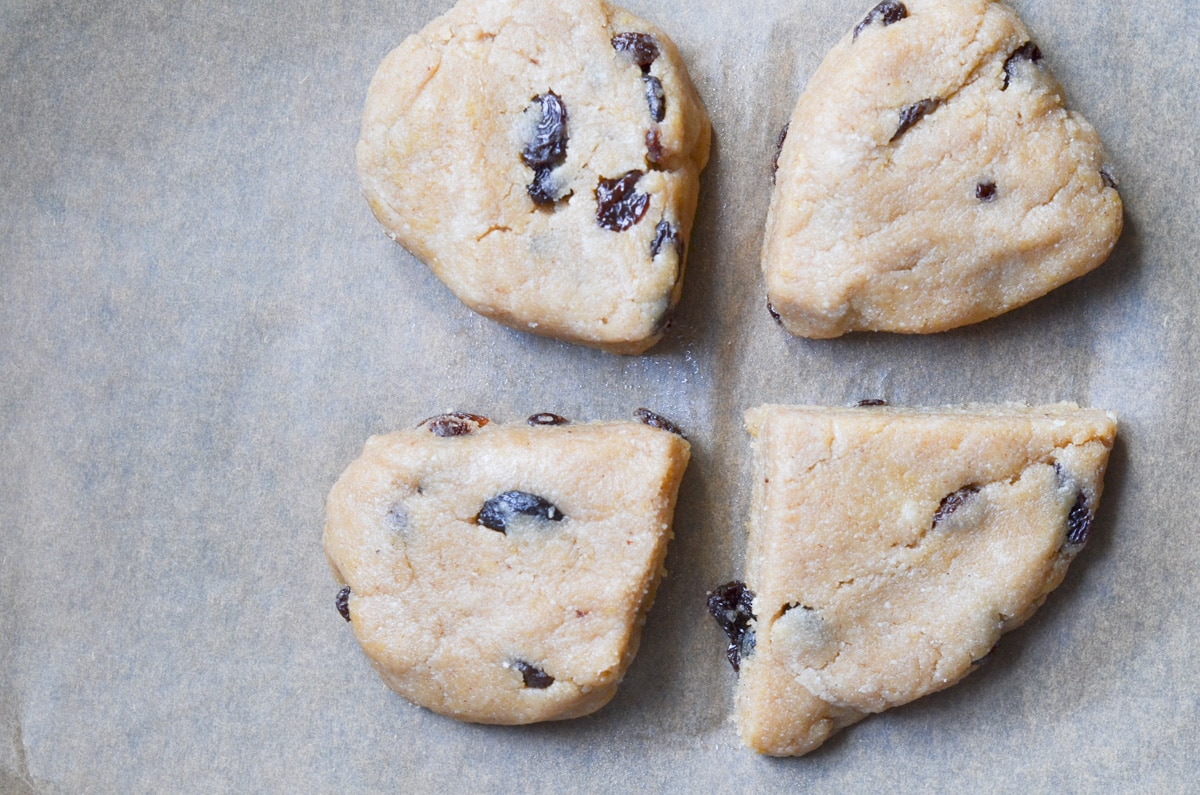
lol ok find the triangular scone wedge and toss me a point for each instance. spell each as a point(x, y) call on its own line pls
point(501, 574)
point(890, 548)
point(543, 158)
point(931, 177)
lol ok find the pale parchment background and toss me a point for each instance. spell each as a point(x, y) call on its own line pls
point(200, 324)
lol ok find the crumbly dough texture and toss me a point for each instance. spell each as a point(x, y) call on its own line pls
point(440, 160)
point(451, 613)
point(870, 233)
point(863, 600)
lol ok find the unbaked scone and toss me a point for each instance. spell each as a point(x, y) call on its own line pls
point(501, 574)
point(890, 548)
point(930, 177)
point(542, 157)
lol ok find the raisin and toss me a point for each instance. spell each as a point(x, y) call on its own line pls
point(501, 509)
point(654, 149)
point(455, 424)
point(1079, 521)
point(773, 313)
point(1107, 177)
point(952, 502)
point(658, 421)
point(343, 602)
point(655, 99)
point(912, 114)
point(544, 190)
point(1026, 52)
point(888, 12)
point(548, 149)
point(666, 233)
point(534, 677)
point(778, 151)
point(732, 606)
point(985, 191)
point(985, 659)
point(618, 203)
point(641, 48)
point(664, 323)
point(396, 519)
point(546, 418)
point(870, 402)
point(549, 144)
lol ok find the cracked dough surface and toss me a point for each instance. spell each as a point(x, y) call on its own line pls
point(440, 163)
point(448, 609)
point(870, 233)
point(863, 599)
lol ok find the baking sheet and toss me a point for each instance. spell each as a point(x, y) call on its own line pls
point(200, 324)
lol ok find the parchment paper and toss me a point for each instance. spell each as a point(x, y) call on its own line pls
point(201, 323)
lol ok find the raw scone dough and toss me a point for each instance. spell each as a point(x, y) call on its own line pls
point(487, 138)
point(930, 177)
point(890, 548)
point(501, 574)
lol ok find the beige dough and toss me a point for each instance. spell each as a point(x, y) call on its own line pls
point(931, 178)
point(890, 549)
point(537, 620)
point(449, 114)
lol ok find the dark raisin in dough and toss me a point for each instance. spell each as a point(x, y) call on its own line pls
point(778, 151)
point(549, 144)
point(641, 48)
point(456, 424)
point(1107, 178)
point(665, 321)
point(544, 190)
point(912, 114)
point(546, 418)
point(1026, 52)
point(655, 99)
point(654, 149)
point(888, 12)
point(500, 510)
point(952, 502)
point(870, 403)
point(987, 658)
point(665, 233)
point(658, 421)
point(774, 315)
point(985, 191)
point(534, 677)
point(1079, 521)
point(396, 519)
point(343, 602)
point(731, 606)
point(618, 203)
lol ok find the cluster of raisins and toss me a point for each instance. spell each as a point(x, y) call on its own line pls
point(619, 205)
point(548, 149)
point(642, 49)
